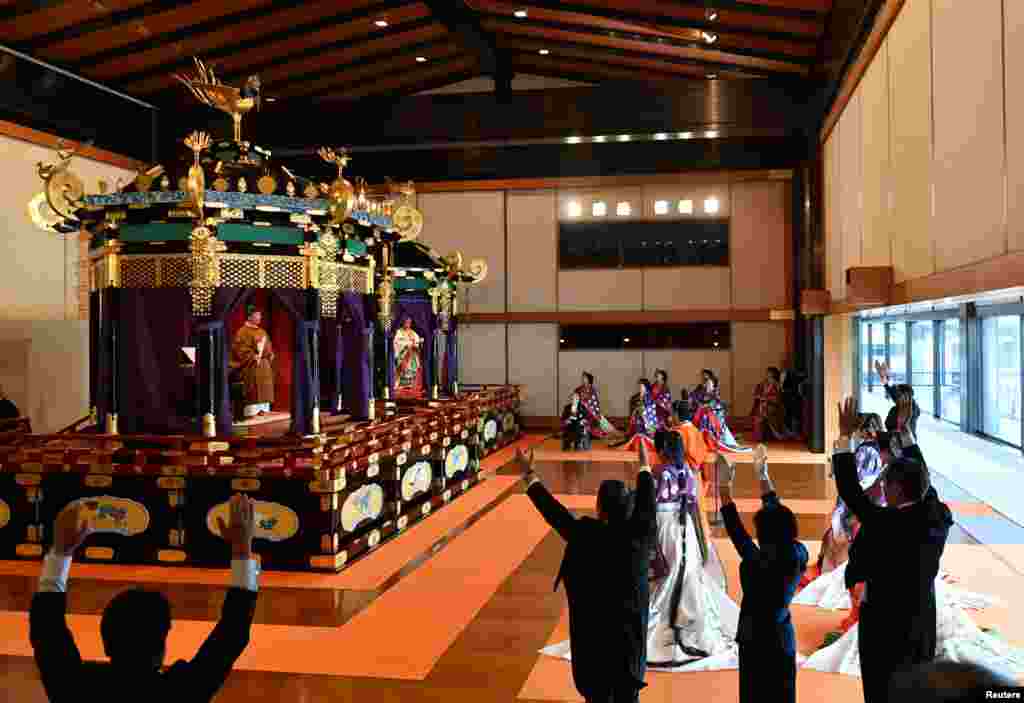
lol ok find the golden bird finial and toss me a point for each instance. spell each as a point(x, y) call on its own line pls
point(209, 90)
point(340, 158)
point(198, 142)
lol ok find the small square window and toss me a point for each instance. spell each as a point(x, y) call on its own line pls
point(685, 207)
point(600, 208)
point(661, 207)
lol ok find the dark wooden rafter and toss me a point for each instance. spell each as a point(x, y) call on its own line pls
point(287, 63)
point(279, 21)
point(620, 61)
point(397, 84)
point(644, 28)
point(460, 19)
point(712, 58)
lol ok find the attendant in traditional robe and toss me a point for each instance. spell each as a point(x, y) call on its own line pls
point(709, 415)
point(253, 356)
point(769, 413)
point(575, 426)
point(590, 403)
point(408, 362)
point(643, 419)
point(661, 396)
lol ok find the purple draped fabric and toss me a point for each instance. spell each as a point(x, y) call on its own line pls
point(332, 361)
point(154, 390)
point(420, 311)
point(453, 352)
point(354, 314)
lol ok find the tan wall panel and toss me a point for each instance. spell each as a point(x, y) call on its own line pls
point(835, 280)
point(759, 235)
point(533, 352)
point(708, 287)
point(34, 280)
point(838, 370)
point(910, 66)
point(684, 368)
point(600, 290)
point(473, 223)
point(755, 347)
point(54, 388)
point(482, 353)
point(532, 252)
point(968, 109)
point(1014, 52)
point(851, 184)
point(874, 89)
point(615, 373)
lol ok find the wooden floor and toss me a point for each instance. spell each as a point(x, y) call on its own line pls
point(453, 610)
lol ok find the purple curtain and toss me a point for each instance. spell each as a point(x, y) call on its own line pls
point(419, 310)
point(224, 302)
point(155, 392)
point(354, 310)
point(453, 351)
point(332, 360)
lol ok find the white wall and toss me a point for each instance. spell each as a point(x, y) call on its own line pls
point(37, 270)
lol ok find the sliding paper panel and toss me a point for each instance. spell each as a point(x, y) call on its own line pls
point(875, 172)
point(692, 287)
point(852, 183)
point(532, 251)
point(835, 278)
point(1014, 48)
point(760, 237)
point(533, 357)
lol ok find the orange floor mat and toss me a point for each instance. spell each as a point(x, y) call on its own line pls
point(401, 635)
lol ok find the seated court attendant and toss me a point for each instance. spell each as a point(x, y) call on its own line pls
point(135, 626)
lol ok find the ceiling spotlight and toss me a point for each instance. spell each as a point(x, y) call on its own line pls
point(626, 340)
point(521, 14)
point(685, 135)
point(381, 23)
point(711, 134)
point(562, 341)
point(624, 137)
point(575, 209)
point(573, 140)
point(660, 136)
point(543, 52)
point(709, 37)
point(600, 140)
point(270, 99)
point(421, 59)
point(712, 76)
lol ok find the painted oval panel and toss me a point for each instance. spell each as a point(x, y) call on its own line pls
point(416, 480)
point(364, 504)
point(456, 461)
point(274, 522)
point(5, 514)
point(490, 430)
point(113, 515)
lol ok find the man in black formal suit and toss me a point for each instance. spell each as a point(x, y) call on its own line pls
point(896, 555)
point(605, 570)
point(135, 625)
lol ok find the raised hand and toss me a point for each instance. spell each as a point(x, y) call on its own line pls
point(240, 532)
point(70, 530)
point(849, 418)
point(882, 369)
point(761, 460)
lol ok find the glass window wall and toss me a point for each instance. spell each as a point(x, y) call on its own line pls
point(1001, 370)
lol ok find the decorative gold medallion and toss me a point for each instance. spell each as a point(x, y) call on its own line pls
point(165, 183)
point(267, 185)
point(221, 185)
point(242, 185)
point(274, 522)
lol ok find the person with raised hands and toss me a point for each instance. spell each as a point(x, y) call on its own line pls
point(770, 572)
point(605, 570)
point(135, 625)
point(896, 553)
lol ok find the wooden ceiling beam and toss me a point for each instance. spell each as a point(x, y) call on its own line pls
point(619, 59)
point(356, 76)
point(596, 72)
point(401, 84)
point(281, 20)
point(713, 59)
point(273, 62)
point(462, 21)
point(688, 33)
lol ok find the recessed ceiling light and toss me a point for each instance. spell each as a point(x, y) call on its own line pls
point(575, 209)
point(624, 137)
point(543, 52)
point(381, 23)
point(626, 340)
point(600, 140)
point(521, 14)
point(661, 136)
point(562, 341)
point(270, 99)
point(711, 134)
point(685, 135)
point(712, 76)
point(421, 59)
point(573, 140)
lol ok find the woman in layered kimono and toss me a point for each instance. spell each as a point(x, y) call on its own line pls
point(769, 413)
point(709, 415)
point(835, 544)
point(662, 398)
point(590, 404)
point(692, 621)
point(643, 418)
point(408, 362)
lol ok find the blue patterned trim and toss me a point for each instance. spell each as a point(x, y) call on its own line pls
point(237, 201)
